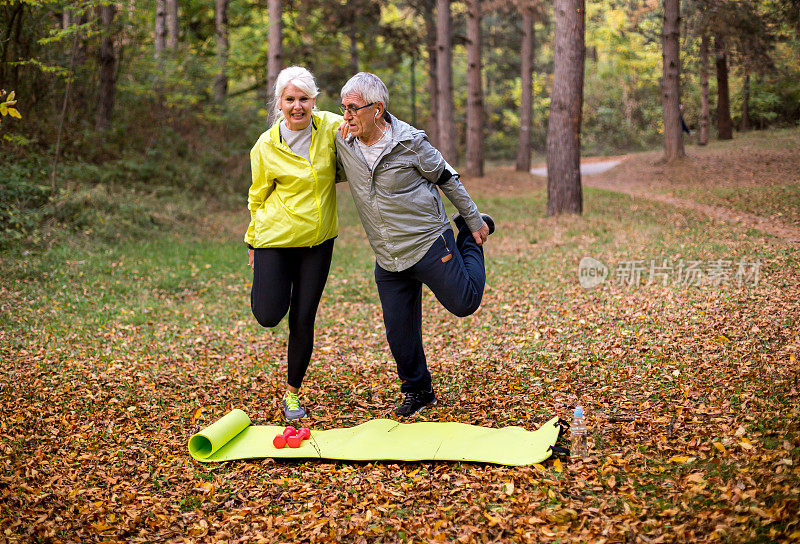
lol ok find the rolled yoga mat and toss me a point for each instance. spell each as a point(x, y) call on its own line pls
point(233, 437)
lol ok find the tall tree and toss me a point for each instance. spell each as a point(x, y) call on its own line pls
point(526, 99)
point(752, 44)
point(351, 16)
point(566, 99)
point(221, 80)
point(275, 43)
point(160, 27)
point(353, 34)
point(670, 81)
point(744, 32)
point(172, 24)
point(703, 139)
point(429, 16)
point(444, 72)
point(474, 91)
point(6, 43)
point(745, 126)
point(724, 124)
point(107, 61)
point(358, 26)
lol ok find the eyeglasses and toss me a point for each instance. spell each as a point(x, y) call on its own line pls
point(352, 109)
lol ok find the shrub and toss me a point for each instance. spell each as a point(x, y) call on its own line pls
point(23, 196)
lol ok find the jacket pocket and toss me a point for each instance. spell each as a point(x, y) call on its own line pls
point(273, 226)
point(425, 204)
point(397, 176)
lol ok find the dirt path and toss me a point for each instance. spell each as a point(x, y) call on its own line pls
point(629, 186)
point(751, 181)
point(587, 168)
point(786, 232)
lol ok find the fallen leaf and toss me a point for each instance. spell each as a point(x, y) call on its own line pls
point(696, 477)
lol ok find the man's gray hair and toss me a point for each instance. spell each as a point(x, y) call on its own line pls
point(369, 87)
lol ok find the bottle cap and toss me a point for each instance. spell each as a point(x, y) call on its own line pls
point(578, 411)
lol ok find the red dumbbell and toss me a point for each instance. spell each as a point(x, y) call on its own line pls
point(280, 440)
point(295, 440)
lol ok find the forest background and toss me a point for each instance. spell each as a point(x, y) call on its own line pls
point(124, 286)
point(159, 97)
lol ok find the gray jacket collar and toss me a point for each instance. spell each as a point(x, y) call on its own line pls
point(401, 132)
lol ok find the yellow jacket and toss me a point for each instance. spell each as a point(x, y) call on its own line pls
point(293, 201)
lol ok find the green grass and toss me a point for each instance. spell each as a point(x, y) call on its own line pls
point(169, 283)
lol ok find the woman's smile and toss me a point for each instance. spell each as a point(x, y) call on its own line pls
point(296, 107)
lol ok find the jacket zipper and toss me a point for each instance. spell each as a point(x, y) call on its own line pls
point(316, 185)
point(316, 180)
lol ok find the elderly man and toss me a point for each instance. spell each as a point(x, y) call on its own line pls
point(395, 176)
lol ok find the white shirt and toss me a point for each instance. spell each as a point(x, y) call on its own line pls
point(298, 141)
point(372, 152)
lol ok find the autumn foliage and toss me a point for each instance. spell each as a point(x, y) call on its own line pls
point(113, 355)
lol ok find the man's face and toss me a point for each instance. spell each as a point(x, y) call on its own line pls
point(362, 123)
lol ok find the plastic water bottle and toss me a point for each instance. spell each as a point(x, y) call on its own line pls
point(578, 444)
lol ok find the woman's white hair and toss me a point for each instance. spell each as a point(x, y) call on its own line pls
point(297, 76)
point(369, 87)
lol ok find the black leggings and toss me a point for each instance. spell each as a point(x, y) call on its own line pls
point(291, 279)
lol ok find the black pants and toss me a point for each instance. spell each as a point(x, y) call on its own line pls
point(455, 273)
point(291, 279)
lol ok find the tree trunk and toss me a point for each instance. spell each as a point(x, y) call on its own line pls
point(724, 124)
point(161, 27)
point(275, 42)
point(444, 66)
point(6, 45)
point(221, 80)
point(107, 62)
point(413, 90)
point(83, 49)
point(526, 99)
point(703, 139)
point(746, 100)
point(353, 50)
point(670, 81)
point(433, 79)
point(172, 24)
point(566, 100)
point(474, 91)
point(628, 104)
point(21, 50)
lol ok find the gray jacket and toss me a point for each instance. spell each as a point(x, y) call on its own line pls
point(398, 201)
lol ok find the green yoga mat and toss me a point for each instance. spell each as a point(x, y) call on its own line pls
point(233, 437)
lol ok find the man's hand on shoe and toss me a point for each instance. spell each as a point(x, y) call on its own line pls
point(482, 234)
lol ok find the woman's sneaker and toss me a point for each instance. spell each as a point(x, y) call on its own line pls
point(414, 402)
point(291, 407)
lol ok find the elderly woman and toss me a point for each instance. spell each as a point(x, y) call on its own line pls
point(293, 221)
point(395, 176)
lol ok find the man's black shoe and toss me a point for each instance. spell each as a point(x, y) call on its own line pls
point(414, 402)
point(459, 221)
